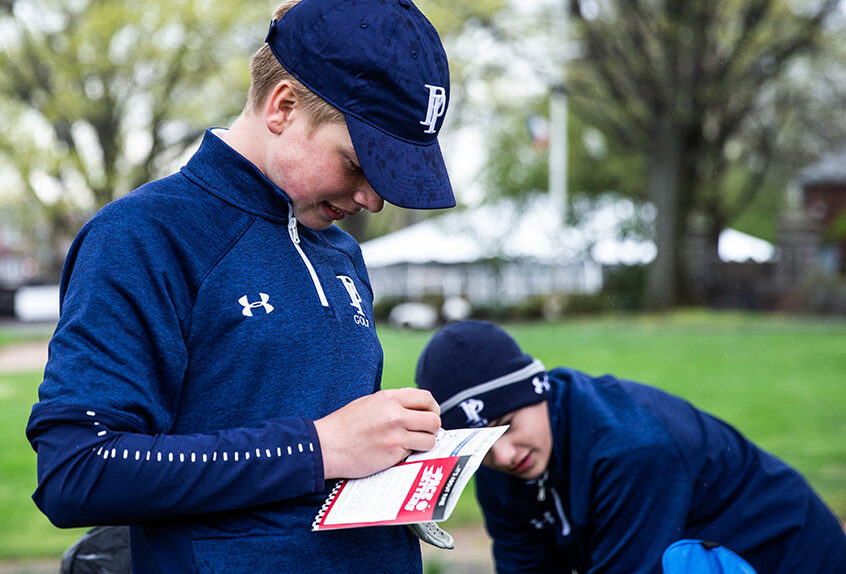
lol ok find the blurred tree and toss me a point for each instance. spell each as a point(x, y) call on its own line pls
point(702, 107)
point(694, 86)
point(597, 164)
point(99, 97)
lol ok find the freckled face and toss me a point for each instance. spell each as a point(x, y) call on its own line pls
point(319, 170)
point(526, 447)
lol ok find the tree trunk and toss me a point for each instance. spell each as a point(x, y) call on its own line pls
point(665, 156)
point(62, 232)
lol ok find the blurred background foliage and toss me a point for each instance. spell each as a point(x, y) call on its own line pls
point(705, 108)
point(99, 97)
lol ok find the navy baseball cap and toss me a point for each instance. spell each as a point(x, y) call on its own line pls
point(381, 63)
point(478, 373)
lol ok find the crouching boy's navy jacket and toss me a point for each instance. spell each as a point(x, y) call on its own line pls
point(634, 469)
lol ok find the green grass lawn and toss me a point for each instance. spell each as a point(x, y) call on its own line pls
point(781, 381)
point(11, 333)
point(24, 531)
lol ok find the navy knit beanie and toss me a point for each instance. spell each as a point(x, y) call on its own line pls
point(478, 373)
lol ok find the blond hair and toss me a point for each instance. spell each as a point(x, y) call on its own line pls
point(266, 72)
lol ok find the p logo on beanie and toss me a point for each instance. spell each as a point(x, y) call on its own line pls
point(478, 373)
point(472, 408)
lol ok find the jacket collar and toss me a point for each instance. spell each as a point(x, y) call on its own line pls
point(225, 173)
point(559, 409)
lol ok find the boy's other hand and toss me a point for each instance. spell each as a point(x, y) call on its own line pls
point(377, 431)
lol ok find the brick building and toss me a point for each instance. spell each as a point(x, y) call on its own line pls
point(824, 200)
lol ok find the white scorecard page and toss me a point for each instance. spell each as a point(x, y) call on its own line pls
point(375, 498)
point(461, 442)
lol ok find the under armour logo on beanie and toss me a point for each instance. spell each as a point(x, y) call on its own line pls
point(541, 384)
point(478, 373)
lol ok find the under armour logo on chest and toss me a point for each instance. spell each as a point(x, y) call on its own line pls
point(543, 521)
point(436, 108)
point(248, 307)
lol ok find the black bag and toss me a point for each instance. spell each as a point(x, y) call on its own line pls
point(101, 550)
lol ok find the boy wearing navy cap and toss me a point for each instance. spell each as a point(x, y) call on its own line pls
point(216, 363)
point(603, 474)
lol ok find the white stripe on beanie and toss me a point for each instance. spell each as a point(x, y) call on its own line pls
point(531, 369)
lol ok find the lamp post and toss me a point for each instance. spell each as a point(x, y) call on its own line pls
point(557, 154)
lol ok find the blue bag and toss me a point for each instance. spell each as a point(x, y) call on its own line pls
point(700, 557)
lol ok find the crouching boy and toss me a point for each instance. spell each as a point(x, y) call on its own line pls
point(603, 474)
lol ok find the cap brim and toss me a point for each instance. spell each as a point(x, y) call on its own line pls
point(402, 173)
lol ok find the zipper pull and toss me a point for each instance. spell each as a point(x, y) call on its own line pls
point(542, 487)
point(292, 228)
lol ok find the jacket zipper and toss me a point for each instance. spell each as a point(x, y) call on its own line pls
point(559, 508)
point(542, 486)
point(295, 239)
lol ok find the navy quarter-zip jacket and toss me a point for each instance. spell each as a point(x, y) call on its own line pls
point(202, 332)
point(634, 469)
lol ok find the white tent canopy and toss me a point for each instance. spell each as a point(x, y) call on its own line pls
point(500, 229)
point(739, 247)
point(528, 230)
